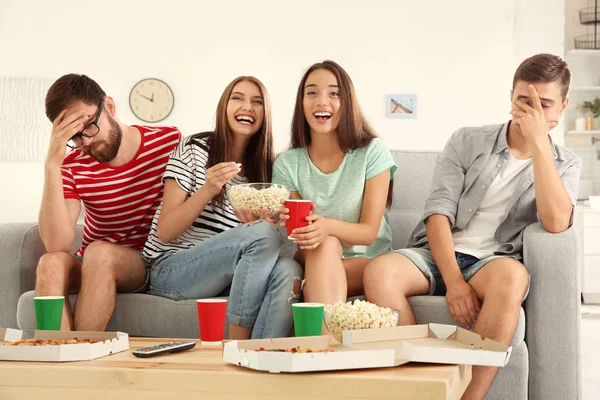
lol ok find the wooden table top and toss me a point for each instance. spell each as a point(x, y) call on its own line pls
point(202, 372)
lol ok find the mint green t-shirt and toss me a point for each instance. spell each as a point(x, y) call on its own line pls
point(339, 195)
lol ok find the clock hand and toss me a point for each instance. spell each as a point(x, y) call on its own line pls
point(152, 99)
point(148, 98)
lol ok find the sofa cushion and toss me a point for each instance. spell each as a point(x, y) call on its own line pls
point(412, 181)
point(137, 314)
point(178, 319)
point(412, 184)
point(402, 224)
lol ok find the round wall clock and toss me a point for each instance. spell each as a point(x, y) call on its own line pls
point(151, 100)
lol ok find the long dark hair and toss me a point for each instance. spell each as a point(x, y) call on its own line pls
point(258, 157)
point(353, 131)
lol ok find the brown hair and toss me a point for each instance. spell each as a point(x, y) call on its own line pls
point(258, 157)
point(70, 88)
point(544, 68)
point(353, 131)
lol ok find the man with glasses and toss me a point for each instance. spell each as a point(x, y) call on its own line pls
point(115, 171)
point(90, 130)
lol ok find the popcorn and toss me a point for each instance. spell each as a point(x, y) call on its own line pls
point(341, 317)
point(247, 196)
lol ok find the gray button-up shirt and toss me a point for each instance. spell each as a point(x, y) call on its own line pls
point(468, 165)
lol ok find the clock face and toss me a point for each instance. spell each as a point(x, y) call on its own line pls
point(151, 100)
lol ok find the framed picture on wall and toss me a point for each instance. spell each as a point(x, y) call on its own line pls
point(401, 105)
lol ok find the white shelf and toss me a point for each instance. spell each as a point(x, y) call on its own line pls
point(583, 132)
point(582, 53)
point(585, 88)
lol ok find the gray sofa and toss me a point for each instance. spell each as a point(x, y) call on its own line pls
point(545, 363)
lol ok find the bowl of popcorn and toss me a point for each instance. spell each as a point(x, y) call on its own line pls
point(256, 196)
point(359, 314)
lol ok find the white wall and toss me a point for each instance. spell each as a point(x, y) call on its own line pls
point(540, 28)
point(457, 56)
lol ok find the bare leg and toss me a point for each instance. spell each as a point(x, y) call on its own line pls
point(237, 332)
point(501, 285)
point(390, 279)
point(324, 273)
point(59, 274)
point(107, 269)
point(355, 268)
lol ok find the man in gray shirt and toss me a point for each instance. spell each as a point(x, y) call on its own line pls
point(490, 183)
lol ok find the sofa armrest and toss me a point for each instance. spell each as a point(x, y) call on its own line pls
point(20, 250)
point(553, 313)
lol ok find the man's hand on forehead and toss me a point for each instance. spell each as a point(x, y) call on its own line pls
point(67, 118)
point(531, 118)
point(534, 102)
point(530, 99)
point(77, 113)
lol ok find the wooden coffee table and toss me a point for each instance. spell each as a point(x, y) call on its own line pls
point(200, 373)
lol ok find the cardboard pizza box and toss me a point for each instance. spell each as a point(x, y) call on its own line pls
point(432, 343)
point(245, 353)
point(371, 348)
point(108, 343)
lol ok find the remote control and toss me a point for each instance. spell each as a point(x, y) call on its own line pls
point(172, 347)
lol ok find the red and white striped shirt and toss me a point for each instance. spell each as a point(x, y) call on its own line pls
point(120, 201)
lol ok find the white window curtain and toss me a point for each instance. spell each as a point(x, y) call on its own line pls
point(24, 128)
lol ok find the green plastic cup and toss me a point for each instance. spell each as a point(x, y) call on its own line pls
point(308, 318)
point(48, 312)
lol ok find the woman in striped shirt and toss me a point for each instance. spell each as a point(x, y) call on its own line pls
point(197, 246)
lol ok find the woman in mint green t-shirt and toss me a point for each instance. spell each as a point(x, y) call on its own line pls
point(338, 162)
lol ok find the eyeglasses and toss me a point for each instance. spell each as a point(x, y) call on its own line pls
point(89, 131)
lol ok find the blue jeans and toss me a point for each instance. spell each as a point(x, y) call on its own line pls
point(244, 259)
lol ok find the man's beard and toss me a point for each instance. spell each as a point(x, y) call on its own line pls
point(111, 146)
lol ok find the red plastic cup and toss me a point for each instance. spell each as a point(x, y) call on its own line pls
point(211, 317)
point(299, 210)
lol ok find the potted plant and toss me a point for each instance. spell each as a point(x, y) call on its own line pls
point(594, 108)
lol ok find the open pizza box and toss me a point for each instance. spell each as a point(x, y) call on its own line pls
point(432, 343)
point(370, 348)
point(108, 343)
point(246, 353)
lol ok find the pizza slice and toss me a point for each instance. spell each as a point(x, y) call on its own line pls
point(48, 342)
point(298, 349)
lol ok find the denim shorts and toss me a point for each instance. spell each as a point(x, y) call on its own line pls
point(423, 259)
point(146, 285)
